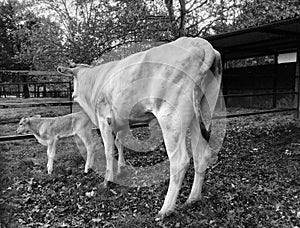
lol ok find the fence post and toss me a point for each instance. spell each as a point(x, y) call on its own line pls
point(4, 92)
point(34, 92)
point(44, 90)
point(19, 91)
point(26, 93)
point(297, 83)
point(70, 96)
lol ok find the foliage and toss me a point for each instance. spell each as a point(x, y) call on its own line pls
point(256, 12)
point(39, 34)
point(10, 21)
point(41, 48)
point(92, 28)
point(261, 12)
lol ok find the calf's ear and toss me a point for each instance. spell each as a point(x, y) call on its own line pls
point(66, 71)
point(21, 120)
point(25, 120)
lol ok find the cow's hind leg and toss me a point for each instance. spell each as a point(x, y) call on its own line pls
point(201, 156)
point(174, 133)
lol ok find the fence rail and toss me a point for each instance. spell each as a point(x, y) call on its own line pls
point(30, 136)
point(138, 125)
point(258, 94)
point(33, 83)
point(36, 89)
point(70, 103)
point(27, 105)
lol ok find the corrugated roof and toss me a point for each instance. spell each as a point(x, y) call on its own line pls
point(280, 36)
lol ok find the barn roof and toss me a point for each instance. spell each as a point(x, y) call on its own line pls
point(277, 37)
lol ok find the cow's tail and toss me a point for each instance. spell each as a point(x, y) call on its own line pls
point(206, 91)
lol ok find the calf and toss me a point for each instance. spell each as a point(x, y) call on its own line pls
point(49, 130)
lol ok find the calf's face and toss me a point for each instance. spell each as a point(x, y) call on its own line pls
point(23, 126)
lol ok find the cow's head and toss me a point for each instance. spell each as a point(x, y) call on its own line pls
point(66, 71)
point(24, 124)
point(72, 72)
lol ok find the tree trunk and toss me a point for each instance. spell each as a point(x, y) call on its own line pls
point(169, 5)
point(182, 31)
point(178, 30)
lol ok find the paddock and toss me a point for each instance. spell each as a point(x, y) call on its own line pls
point(254, 183)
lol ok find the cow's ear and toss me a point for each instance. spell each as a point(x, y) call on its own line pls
point(66, 71)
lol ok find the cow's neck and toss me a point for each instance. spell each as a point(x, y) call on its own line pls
point(87, 107)
point(34, 126)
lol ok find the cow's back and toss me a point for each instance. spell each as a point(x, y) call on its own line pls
point(139, 83)
point(161, 72)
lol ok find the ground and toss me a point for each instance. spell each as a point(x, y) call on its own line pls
point(254, 183)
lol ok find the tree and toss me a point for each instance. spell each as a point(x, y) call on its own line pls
point(255, 12)
point(41, 45)
point(92, 28)
point(12, 18)
point(9, 22)
point(193, 17)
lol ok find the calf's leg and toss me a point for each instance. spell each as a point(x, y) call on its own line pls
point(51, 154)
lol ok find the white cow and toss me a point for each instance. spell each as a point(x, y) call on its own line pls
point(177, 83)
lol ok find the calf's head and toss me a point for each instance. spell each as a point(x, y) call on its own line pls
point(24, 124)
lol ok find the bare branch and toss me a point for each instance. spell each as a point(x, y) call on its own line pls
point(197, 7)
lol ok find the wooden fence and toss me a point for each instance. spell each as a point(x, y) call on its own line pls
point(228, 88)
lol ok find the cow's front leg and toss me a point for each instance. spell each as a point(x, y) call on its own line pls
point(118, 143)
point(108, 141)
point(86, 137)
point(51, 154)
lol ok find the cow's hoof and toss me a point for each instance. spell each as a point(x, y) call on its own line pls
point(122, 171)
point(163, 215)
point(159, 217)
point(88, 171)
point(107, 184)
point(190, 202)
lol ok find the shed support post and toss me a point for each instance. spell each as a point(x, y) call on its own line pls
point(297, 84)
point(19, 91)
point(223, 85)
point(70, 96)
point(275, 79)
